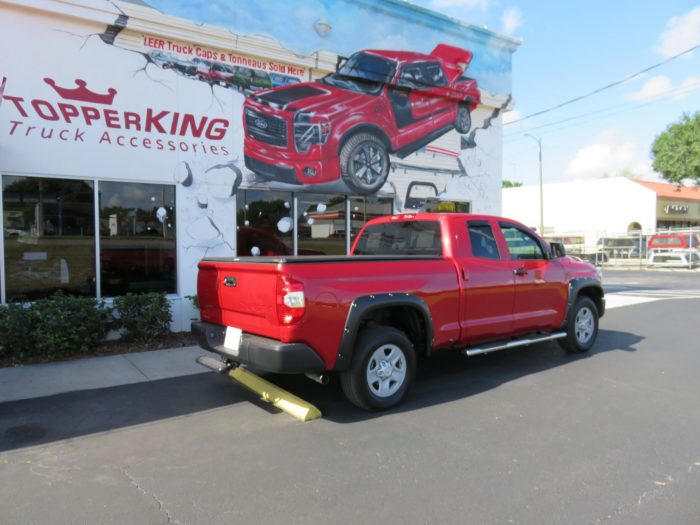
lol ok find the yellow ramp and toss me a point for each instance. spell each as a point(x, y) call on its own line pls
point(285, 401)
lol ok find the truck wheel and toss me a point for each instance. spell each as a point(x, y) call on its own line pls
point(582, 327)
point(382, 369)
point(464, 119)
point(364, 163)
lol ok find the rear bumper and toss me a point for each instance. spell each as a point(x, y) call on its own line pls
point(259, 352)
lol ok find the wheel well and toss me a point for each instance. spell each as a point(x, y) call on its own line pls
point(594, 294)
point(366, 128)
point(405, 318)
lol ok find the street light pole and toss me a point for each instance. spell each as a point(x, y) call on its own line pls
point(539, 145)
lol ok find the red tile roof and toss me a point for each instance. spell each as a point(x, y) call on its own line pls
point(672, 191)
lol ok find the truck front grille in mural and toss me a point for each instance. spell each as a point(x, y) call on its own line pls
point(266, 128)
point(346, 124)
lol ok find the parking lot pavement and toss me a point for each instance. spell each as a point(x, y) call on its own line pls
point(527, 436)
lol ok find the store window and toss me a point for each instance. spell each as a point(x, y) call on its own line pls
point(49, 237)
point(137, 238)
point(321, 224)
point(264, 223)
point(363, 209)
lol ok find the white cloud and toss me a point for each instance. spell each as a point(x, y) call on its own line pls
point(512, 19)
point(661, 85)
point(689, 84)
point(652, 88)
point(682, 32)
point(610, 154)
point(511, 116)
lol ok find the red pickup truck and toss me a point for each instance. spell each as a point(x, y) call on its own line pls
point(346, 124)
point(414, 284)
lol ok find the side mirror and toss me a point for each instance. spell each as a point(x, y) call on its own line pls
point(557, 250)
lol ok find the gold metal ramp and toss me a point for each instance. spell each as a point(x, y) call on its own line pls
point(276, 396)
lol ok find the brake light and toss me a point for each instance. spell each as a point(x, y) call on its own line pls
point(291, 303)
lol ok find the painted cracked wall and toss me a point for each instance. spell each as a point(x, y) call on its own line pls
point(109, 102)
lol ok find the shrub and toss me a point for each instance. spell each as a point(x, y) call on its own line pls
point(66, 325)
point(17, 326)
point(143, 317)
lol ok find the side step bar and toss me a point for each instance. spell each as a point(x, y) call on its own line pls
point(494, 347)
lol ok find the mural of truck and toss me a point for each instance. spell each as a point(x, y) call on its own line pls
point(345, 125)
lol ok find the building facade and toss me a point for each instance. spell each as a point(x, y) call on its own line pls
point(605, 207)
point(134, 142)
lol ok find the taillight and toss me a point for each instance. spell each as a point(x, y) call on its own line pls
point(290, 300)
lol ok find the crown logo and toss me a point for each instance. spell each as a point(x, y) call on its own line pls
point(82, 93)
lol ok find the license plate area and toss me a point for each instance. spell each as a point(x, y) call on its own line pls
point(232, 340)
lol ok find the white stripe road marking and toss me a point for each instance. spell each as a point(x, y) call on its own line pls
point(628, 298)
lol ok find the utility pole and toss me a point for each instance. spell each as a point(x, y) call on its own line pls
point(539, 145)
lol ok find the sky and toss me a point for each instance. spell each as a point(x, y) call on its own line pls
point(571, 49)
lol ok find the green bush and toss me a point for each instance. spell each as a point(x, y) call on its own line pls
point(17, 331)
point(66, 325)
point(143, 317)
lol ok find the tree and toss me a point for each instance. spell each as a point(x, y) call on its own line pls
point(676, 151)
point(511, 184)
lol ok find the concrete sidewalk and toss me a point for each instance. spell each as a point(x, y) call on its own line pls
point(31, 381)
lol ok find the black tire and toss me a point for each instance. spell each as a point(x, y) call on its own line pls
point(581, 327)
point(364, 163)
point(372, 384)
point(463, 122)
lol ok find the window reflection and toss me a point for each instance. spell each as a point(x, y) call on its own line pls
point(137, 238)
point(321, 224)
point(265, 225)
point(363, 209)
point(49, 237)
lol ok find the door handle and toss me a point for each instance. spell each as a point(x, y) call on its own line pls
point(465, 274)
point(520, 271)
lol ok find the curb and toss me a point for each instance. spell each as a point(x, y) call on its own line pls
point(34, 381)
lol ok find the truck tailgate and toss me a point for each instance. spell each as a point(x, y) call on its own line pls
point(240, 294)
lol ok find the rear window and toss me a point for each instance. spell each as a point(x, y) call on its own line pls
point(401, 238)
point(666, 241)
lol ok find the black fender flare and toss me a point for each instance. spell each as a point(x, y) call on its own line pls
point(575, 287)
point(367, 304)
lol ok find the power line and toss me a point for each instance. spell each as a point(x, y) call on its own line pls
point(605, 113)
point(608, 86)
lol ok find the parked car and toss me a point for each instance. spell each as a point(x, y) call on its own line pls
point(620, 247)
point(345, 125)
point(685, 259)
point(414, 284)
point(250, 80)
point(186, 67)
point(278, 79)
point(216, 73)
point(664, 242)
point(160, 58)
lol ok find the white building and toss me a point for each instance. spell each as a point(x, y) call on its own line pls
point(604, 207)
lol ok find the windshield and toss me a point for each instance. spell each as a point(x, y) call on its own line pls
point(363, 73)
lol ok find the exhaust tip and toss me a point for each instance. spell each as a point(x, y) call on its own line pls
point(322, 379)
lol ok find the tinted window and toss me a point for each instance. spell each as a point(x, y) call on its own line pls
point(265, 224)
point(137, 238)
point(401, 238)
point(49, 235)
point(435, 75)
point(369, 67)
point(521, 244)
point(482, 241)
point(321, 224)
